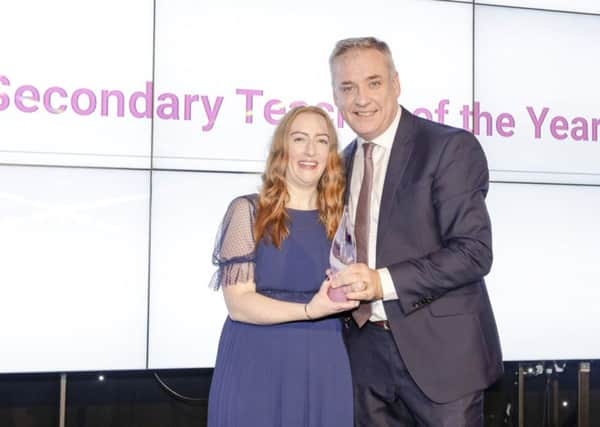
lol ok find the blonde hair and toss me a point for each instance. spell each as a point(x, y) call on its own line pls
point(271, 218)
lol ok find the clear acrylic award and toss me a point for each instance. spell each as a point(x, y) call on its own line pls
point(342, 253)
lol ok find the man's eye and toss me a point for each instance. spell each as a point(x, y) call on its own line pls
point(375, 83)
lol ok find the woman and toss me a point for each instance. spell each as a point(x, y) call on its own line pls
point(281, 359)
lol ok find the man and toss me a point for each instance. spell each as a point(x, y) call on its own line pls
point(416, 190)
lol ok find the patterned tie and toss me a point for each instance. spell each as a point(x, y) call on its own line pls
point(361, 226)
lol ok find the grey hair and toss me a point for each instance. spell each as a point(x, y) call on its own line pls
point(345, 45)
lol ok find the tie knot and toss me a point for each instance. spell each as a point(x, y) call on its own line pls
point(368, 149)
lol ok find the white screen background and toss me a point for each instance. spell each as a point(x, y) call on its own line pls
point(74, 279)
point(106, 258)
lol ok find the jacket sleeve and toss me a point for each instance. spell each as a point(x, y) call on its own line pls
point(459, 186)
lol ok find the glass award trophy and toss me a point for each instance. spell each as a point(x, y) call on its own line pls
point(342, 253)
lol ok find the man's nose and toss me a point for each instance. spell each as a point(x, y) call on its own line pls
point(361, 97)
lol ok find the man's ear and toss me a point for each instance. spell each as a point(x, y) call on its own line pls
point(396, 83)
point(334, 94)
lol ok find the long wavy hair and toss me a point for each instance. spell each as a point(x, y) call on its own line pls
point(271, 217)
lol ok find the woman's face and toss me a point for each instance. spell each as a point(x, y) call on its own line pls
point(308, 150)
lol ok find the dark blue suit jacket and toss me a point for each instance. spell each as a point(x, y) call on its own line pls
point(434, 236)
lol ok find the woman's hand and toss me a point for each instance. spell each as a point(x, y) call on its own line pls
point(321, 306)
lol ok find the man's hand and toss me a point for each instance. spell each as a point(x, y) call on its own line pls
point(364, 282)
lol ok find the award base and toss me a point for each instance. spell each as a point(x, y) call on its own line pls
point(338, 294)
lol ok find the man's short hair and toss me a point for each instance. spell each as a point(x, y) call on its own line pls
point(345, 45)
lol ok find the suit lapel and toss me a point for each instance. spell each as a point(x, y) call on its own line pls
point(399, 157)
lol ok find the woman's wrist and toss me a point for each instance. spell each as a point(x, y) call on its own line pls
point(308, 316)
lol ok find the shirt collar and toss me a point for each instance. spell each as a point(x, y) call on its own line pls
point(386, 139)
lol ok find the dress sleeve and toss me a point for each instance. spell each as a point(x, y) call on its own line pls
point(235, 247)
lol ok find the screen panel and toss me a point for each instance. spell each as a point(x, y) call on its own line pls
point(219, 102)
point(185, 315)
point(76, 83)
point(74, 275)
point(545, 86)
point(582, 6)
point(545, 280)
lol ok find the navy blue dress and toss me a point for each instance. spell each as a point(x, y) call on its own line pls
point(292, 374)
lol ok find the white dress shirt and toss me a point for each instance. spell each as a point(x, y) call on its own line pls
point(381, 157)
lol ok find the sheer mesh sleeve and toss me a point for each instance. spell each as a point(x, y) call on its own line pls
point(234, 245)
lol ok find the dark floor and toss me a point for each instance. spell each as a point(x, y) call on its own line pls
point(137, 399)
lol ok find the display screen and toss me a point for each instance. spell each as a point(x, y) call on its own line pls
point(126, 128)
point(74, 275)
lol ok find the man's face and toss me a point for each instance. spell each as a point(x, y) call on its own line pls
point(366, 91)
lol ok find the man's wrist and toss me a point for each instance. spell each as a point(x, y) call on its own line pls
point(388, 290)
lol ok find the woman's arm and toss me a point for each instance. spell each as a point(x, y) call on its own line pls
point(246, 305)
